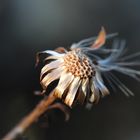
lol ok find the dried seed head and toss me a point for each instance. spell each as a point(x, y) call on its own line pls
point(79, 78)
point(76, 74)
point(75, 69)
point(77, 65)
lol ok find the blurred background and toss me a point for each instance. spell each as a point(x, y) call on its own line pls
point(29, 26)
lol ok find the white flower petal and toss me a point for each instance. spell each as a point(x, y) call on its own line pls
point(72, 91)
point(85, 83)
point(53, 53)
point(51, 57)
point(99, 82)
point(95, 92)
point(102, 88)
point(64, 82)
point(92, 97)
point(50, 77)
point(50, 66)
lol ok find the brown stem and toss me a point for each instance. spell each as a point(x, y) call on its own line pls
point(32, 117)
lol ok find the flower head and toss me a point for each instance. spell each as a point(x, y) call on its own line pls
point(75, 72)
point(79, 71)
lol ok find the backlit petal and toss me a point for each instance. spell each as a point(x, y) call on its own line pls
point(51, 57)
point(50, 77)
point(72, 91)
point(53, 53)
point(85, 83)
point(100, 39)
point(64, 82)
point(100, 85)
point(50, 66)
point(92, 97)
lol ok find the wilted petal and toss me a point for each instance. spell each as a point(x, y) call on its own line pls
point(83, 91)
point(50, 66)
point(50, 77)
point(72, 91)
point(64, 82)
point(103, 88)
point(51, 57)
point(85, 83)
point(95, 93)
point(99, 83)
point(100, 39)
point(53, 53)
point(92, 97)
point(47, 52)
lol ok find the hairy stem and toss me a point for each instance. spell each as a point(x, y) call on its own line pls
point(30, 118)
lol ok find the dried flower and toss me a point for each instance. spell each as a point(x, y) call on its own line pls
point(80, 73)
point(80, 70)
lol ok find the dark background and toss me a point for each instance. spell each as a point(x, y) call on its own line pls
point(29, 26)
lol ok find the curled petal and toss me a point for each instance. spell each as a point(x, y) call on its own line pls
point(64, 82)
point(52, 53)
point(100, 84)
point(85, 83)
point(83, 91)
point(95, 92)
point(47, 52)
point(92, 97)
point(72, 91)
point(50, 66)
point(100, 39)
point(51, 58)
point(54, 75)
point(89, 41)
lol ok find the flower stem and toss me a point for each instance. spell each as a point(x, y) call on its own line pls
point(30, 118)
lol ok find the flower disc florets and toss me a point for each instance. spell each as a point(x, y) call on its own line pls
point(79, 64)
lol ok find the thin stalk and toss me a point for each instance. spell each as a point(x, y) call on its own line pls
point(30, 118)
